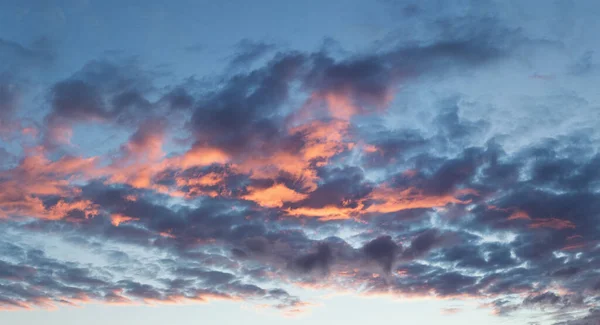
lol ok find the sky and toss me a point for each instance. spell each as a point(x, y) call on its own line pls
point(299, 162)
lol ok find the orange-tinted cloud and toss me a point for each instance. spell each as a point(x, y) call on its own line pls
point(553, 223)
point(383, 200)
point(274, 196)
point(37, 176)
point(391, 200)
point(116, 219)
point(200, 156)
point(519, 215)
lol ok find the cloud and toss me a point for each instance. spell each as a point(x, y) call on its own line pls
point(20, 68)
point(383, 250)
point(15, 55)
point(8, 99)
point(248, 51)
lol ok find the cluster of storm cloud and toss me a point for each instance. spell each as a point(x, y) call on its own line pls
point(285, 176)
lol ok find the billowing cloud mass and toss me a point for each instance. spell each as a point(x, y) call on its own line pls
point(366, 173)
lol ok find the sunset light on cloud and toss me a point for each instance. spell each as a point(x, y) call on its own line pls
point(301, 162)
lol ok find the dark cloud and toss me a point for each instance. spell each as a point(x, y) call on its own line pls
point(321, 259)
point(422, 243)
point(239, 115)
point(102, 90)
point(368, 80)
point(383, 250)
point(342, 187)
point(78, 100)
point(179, 99)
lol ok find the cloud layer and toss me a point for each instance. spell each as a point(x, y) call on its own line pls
point(297, 170)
